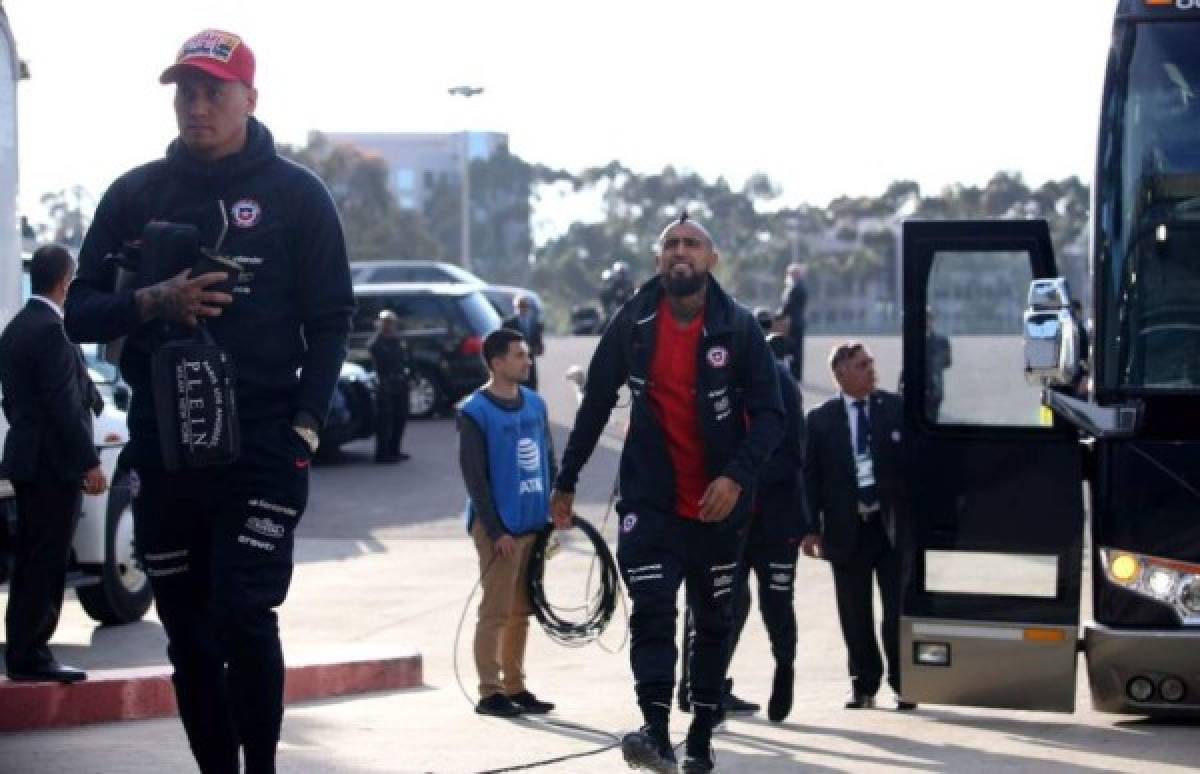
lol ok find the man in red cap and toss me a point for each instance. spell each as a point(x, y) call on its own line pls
point(217, 541)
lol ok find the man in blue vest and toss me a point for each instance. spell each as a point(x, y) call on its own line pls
point(507, 462)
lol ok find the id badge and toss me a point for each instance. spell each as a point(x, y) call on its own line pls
point(864, 468)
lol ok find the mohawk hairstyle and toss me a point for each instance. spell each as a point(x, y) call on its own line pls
point(684, 217)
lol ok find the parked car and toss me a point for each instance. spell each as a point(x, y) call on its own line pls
point(502, 297)
point(444, 325)
point(427, 272)
point(352, 409)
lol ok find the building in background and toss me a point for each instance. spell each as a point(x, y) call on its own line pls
point(417, 160)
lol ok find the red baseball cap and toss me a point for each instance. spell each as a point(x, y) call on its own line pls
point(220, 54)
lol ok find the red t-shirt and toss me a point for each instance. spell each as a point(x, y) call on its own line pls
point(673, 397)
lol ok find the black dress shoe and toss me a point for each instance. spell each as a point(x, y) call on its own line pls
point(48, 672)
point(530, 704)
point(402, 456)
point(905, 706)
point(860, 701)
point(498, 705)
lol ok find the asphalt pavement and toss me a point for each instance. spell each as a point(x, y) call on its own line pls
point(384, 566)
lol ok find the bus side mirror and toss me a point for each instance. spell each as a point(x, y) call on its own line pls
point(1051, 335)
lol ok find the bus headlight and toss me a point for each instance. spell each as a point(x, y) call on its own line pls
point(1189, 596)
point(1166, 581)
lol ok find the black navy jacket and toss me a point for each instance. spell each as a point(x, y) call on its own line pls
point(47, 398)
point(737, 401)
point(287, 326)
point(831, 481)
point(781, 504)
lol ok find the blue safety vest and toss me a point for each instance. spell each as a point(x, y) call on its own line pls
point(518, 460)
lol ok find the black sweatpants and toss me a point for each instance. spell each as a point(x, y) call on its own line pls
point(217, 544)
point(47, 510)
point(658, 552)
point(773, 561)
point(874, 558)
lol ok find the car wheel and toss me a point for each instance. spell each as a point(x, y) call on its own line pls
point(123, 594)
point(425, 393)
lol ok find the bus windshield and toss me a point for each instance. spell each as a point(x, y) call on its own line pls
point(1155, 280)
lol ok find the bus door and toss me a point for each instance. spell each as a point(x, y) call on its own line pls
point(990, 614)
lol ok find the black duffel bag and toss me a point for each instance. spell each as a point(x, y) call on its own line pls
point(194, 402)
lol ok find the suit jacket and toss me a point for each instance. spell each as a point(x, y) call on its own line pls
point(47, 398)
point(534, 338)
point(831, 483)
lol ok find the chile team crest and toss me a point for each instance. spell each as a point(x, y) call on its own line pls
point(246, 213)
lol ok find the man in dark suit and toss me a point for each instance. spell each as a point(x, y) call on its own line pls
point(857, 504)
point(795, 302)
point(50, 456)
point(528, 323)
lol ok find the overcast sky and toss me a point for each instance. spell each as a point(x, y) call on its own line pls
point(827, 98)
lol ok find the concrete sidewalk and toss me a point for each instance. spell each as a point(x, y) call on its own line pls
point(397, 595)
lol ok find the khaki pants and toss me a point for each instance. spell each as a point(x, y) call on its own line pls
point(504, 611)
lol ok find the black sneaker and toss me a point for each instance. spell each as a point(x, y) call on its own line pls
point(644, 749)
point(698, 763)
point(530, 704)
point(732, 705)
point(498, 705)
point(781, 694)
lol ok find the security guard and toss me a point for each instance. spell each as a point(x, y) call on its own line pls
point(390, 352)
point(217, 541)
point(705, 415)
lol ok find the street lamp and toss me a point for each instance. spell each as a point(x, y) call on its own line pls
point(465, 162)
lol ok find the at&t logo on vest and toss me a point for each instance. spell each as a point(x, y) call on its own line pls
point(529, 459)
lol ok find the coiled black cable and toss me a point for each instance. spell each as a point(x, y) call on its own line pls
point(600, 605)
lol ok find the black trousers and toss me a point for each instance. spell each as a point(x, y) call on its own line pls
point(772, 558)
point(47, 510)
point(774, 566)
point(217, 544)
point(391, 416)
point(874, 557)
point(797, 337)
point(657, 553)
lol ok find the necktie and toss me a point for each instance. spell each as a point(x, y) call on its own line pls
point(862, 435)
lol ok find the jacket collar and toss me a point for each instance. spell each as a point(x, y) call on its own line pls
point(258, 150)
point(718, 306)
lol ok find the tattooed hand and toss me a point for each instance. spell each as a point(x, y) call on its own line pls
point(182, 298)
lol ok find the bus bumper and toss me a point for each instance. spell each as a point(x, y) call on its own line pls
point(1121, 661)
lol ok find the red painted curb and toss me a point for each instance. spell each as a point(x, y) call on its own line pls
point(137, 694)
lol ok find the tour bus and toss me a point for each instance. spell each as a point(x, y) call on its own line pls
point(108, 580)
point(1022, 448)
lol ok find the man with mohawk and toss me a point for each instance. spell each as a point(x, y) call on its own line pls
point(705, 415)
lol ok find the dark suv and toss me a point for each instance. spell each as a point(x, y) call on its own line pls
point(444, 325)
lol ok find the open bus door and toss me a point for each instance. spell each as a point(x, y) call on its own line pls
point(990, 614)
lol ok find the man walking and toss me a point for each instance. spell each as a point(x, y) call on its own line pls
point(856, 499)
point(389, 351)
point(507, 462)
point(795, 304)
point(50, 456)
point(217, 542)
point(705, 415)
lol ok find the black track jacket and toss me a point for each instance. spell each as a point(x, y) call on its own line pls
point(737, 401)
point(287, 326)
